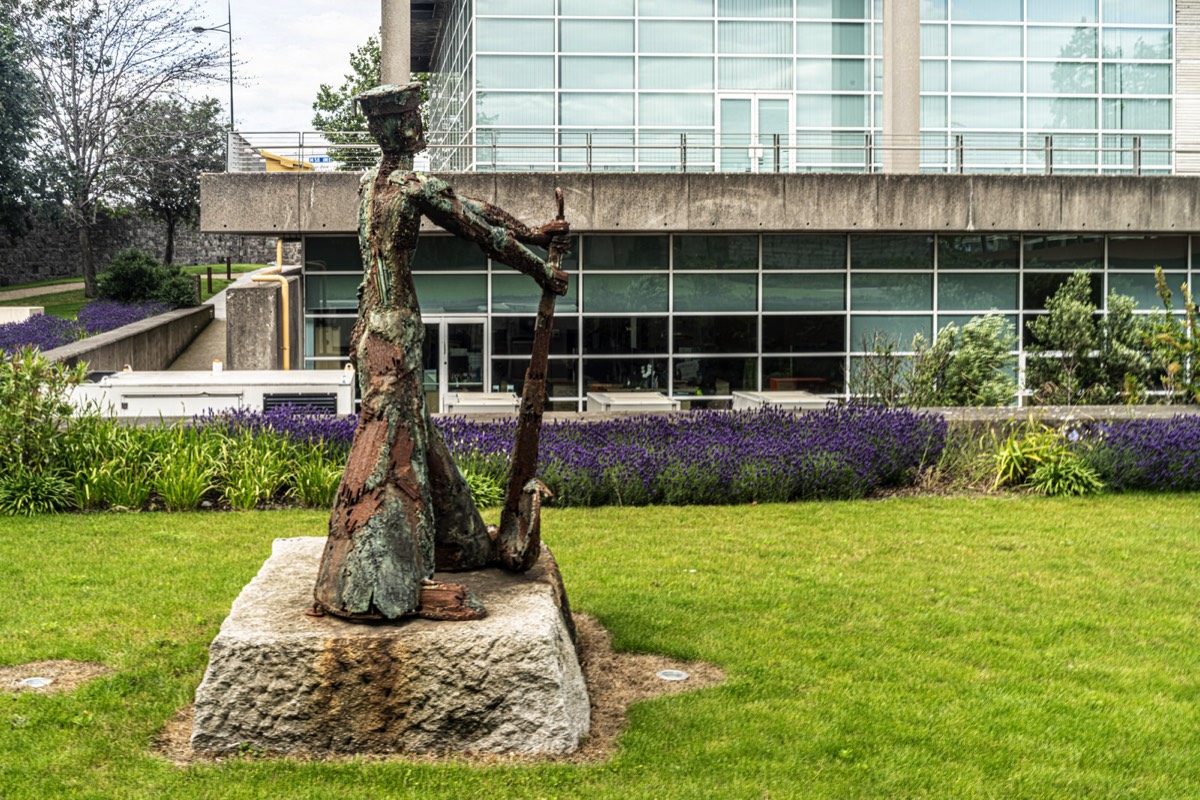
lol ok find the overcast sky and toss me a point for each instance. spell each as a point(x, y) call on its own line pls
point(287, 48)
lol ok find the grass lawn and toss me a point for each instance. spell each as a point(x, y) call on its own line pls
point(940, 647)
point(60, 304)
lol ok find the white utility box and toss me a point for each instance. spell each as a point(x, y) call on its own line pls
point(185, 394)
point(791, 401)
point(482, 403)
point(630, 401)
point(19, 313)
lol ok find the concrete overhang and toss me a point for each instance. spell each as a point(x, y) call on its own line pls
point(315, 203)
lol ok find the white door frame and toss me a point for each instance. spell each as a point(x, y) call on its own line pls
point(755, 149)
point(443, 356)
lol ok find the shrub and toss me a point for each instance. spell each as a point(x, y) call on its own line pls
point(134, 276)
point(256, 468)
point(1145, 454)
point(315, 478)
point(1023, 451)
point(185, 475)
point(33, 406)
point(28, 492)
point(40, 332)
point(486, 491)
point(968, 366)
point(1065, 475)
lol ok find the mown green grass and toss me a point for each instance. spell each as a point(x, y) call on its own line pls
point(940, 647)
point(60, 304)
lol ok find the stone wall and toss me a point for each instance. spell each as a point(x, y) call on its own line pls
point(51, 251)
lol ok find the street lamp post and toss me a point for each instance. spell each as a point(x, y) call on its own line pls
point(226, 28)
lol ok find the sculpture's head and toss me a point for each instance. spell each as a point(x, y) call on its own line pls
point(394, 118)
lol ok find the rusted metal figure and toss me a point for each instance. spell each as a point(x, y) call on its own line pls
point(403, 507)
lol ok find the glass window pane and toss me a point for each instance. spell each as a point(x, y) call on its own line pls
point(595, 109)
point(985, 41)
point(891, 291)
point(1065, 252)
point(754, 37)
point(1145, 12)
point(804, 252)
point(562, 378)
point(814, 291)
point(596, 72)
point(596, 8)
point(833, 9)
point(1059, 114)
point(1065, 43)
point(1062, 77)
point(899, 329)
point(979, 291)
point(332, 254)
point(716, 292)
point(515, 293)
point(933, 112)
point(995, 113)
point(891, 252)
point(622, 335)
point(1062, 11)
point(513, 336)
point(818, 375)
point(515, 108)
point(328, 337)
point(625, 252)
point(624, 374)
point(985, 76)
point(447, 254)
point(767, 74)
point(331, 292)
point(675, 73)
point(986, 10)
point(514, 72)
point(675, 37)
point(514, 35)
point(1038, 287)
point(1137, 78)
point(676, 109)
point(675, 8)
point(1141, 287)
point(595, 36)
point(451, 294)
point(606, 294)
point(804, 334)
point(524, 8)
point(716, 252)
point(934, 9)
point(1137, 43)
point(979, 252)
point(831, 38)
point(838, 111)
point(933, 40)
point(1138, 115)
point(715, 376)
point(716, 334)
point(1147, 252)
point(933, 76)
point(754, 8)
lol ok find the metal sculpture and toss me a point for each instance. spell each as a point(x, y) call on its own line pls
point(403, 508)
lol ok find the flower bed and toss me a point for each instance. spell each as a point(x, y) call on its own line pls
point(1145, 454)
point(46, 331)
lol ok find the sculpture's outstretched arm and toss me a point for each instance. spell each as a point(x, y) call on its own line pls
point(495, 231)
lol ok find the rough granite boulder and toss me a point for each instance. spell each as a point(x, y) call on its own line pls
point(282, 681)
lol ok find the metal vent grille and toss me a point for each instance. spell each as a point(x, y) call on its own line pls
point(310, 402)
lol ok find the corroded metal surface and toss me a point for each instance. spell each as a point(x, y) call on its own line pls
point(403, 506)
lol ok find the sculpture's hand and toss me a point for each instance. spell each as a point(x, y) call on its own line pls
point(559, 245)
point(551, 230)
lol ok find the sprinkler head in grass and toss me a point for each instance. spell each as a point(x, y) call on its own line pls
point(36, 683)
point(672, 675)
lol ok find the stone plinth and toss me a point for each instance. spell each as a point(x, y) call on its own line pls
point(282, 681)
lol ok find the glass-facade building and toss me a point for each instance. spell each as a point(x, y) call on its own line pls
point(769, 86)
point(798, 84)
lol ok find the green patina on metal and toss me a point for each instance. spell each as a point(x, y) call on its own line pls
point(403, 507)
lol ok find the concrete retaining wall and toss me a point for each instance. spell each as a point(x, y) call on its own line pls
point(149, 344)
point(254, 325)
point(304, 203)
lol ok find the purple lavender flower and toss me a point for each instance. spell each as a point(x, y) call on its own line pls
point(99, 316)
point(43, 331)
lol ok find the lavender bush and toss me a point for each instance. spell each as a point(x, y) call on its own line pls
point(42, 331)
point(1145, 454)
point(298, 424)
point(99, 316)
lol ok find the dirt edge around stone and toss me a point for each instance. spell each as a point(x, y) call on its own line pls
point(614, 680)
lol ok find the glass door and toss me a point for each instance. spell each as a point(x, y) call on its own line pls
point(452, 360)
point(755, 133)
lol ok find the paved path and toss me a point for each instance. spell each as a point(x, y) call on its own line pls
point(210, 344)
point(21, 294)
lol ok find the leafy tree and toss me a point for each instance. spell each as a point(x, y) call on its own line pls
point(17, 126)
point(968, 366)
point(336, 114)
point(167, 146)
point(1173, 343)
point(98, 63)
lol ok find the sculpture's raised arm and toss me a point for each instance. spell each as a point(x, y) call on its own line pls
point(497, 232)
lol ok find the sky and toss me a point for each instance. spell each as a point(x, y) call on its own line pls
point(287, 49)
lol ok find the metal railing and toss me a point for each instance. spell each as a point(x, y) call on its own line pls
point(524, 151)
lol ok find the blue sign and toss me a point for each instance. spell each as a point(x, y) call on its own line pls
point(319, 160)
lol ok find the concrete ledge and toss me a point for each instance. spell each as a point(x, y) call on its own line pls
point(281, 681)
point(313, 203)
point(148, 344)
